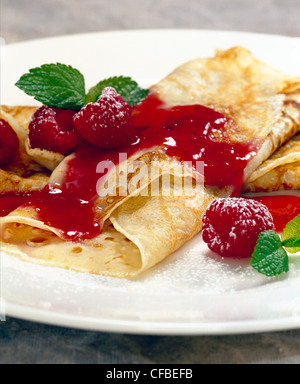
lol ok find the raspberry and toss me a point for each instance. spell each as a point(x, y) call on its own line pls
point(52, 129)
point(106, 123)
point(231, 226)
point(9, 143)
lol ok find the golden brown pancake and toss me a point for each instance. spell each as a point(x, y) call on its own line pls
point(139, 231)
point(264, 102)
point(21, 114)
point(280, 172)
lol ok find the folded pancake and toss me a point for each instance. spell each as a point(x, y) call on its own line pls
point(139, 230)
point(23, 174)
point(264, 103)
point(280, 172)
point(261, 111)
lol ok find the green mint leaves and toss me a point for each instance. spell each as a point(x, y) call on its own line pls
point(125, 86)
point(56, 85)
point(291, 236)
point(270, 256)
point(62, 86)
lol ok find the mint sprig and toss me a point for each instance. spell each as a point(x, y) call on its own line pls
point(270, 256)
point(62, 86)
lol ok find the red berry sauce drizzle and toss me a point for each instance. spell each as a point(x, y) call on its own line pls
point(283, 209)
point(190, 133)
point(11, 201)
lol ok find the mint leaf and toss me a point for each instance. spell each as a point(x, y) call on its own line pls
point(125, 86)
point(291, 235)
point(269, 257)
point(292, 243)
point(55, 85)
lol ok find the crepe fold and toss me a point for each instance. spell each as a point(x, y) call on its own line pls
point(280, 172)
point(142, 228)
point(139, 230)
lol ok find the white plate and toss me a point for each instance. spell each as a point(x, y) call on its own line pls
point(191, 293)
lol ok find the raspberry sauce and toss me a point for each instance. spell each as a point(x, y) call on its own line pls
point(73, 217)
point(283, 209)
point(189, 133)
point(11, 201)
point(194, 133)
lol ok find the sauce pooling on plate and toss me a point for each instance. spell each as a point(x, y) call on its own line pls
point(283, 209)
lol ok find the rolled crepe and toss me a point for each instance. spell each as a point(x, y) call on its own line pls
point(140, 229)
point(280, 172)
point(263, 102)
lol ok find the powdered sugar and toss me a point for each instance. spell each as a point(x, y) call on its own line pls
point(190, 285)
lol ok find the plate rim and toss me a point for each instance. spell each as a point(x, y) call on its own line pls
point(153, 328)
point(149, 30)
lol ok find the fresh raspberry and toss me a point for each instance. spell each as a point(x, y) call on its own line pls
point(52, 129)
point(231, 226)
point(106, 123)
point(9, 143)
